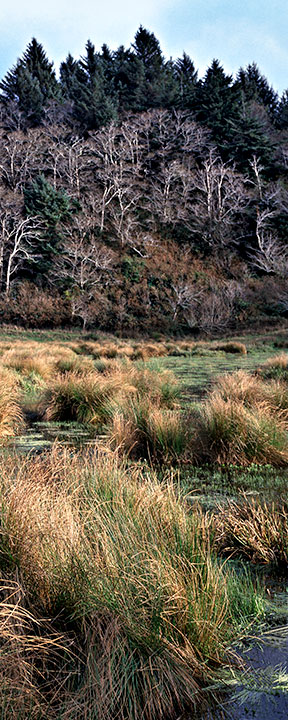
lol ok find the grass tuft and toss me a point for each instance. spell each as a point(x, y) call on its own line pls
point(254, 529)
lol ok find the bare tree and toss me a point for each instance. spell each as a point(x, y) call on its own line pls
point(85, 265)
point(186, 298)
point(271, 256)
point(18, 244)
point(221, 195)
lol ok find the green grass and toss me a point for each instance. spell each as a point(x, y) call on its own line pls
point(196, 373)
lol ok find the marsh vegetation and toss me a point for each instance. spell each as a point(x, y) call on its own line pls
point(130, 567)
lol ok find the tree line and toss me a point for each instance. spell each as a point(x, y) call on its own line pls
point(135, 195)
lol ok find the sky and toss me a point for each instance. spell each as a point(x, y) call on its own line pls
point(237, 32)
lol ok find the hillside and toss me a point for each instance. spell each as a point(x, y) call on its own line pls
point(136, 197)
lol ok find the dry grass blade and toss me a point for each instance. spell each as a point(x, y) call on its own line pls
point(254, 529)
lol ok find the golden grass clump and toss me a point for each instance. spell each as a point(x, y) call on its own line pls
point(241, 387)
point(142, 429)
point(77, 365)
point(29, 651)
point(95, 397)
point(144, 351)
point(230, 346)
point(25, 361)
point(252, 391)
point(228, 432)
point(11, 417)
point(253, 529)
point(80, 398)
point(113, 555)
point(40, 359)
point(277, 361)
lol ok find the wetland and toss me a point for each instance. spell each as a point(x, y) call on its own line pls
point(141, 507)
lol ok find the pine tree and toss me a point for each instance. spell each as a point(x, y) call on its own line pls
point(129, 80)
point(53, 208)
point(157, 76)
point(248, 138)
point(31, 83)
point(84, 84)
point(217, 102)
point(255, 87)
point(282, 112)
point(186, 78)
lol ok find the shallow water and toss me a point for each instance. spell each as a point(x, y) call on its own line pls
point(41, 435)
point(256, 698)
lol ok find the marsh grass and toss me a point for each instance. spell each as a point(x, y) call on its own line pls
point(252, 391)
point(243, 421)
point(11, 416)
point(139, 428)
point(275, 367)
point(79, 398)
point(254, 529)
point(30, 650)
point(111, 553)
point(228, 432)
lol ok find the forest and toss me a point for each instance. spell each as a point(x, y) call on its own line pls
point(136, 197)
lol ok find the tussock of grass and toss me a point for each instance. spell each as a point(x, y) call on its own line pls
point(29, 649)
point(228, 432)
point(80, 398)
point(77, 365)
point(251, 390)
point(114, 556)
point(96, 397)
point(278, 361)
point(231, 347)
point(275, 367)
point(25, 362)
point(141, 429)
point(11, 417)
point(254, 529)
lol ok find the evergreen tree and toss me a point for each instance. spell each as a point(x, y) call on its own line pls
point(71, 75)
point(217, 102)
point(54, 208)
point(282, 112)
point(31, 83)
point(247, 138)
point(255, 87)
point(129, 80)
point(157, 76)
point(147, 48)
point(84, 85)
point(186, 78)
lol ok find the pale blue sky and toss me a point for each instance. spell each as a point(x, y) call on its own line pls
point(234, 31)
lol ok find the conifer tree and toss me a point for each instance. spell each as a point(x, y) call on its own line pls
point(129, 80)
point(255, 87)
point(157, 75)
point(53, 208)
point(186, 78)
point(217, 102)
point(282, 112)
point(247, 139)
point(83, 83)
point(31, 83)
